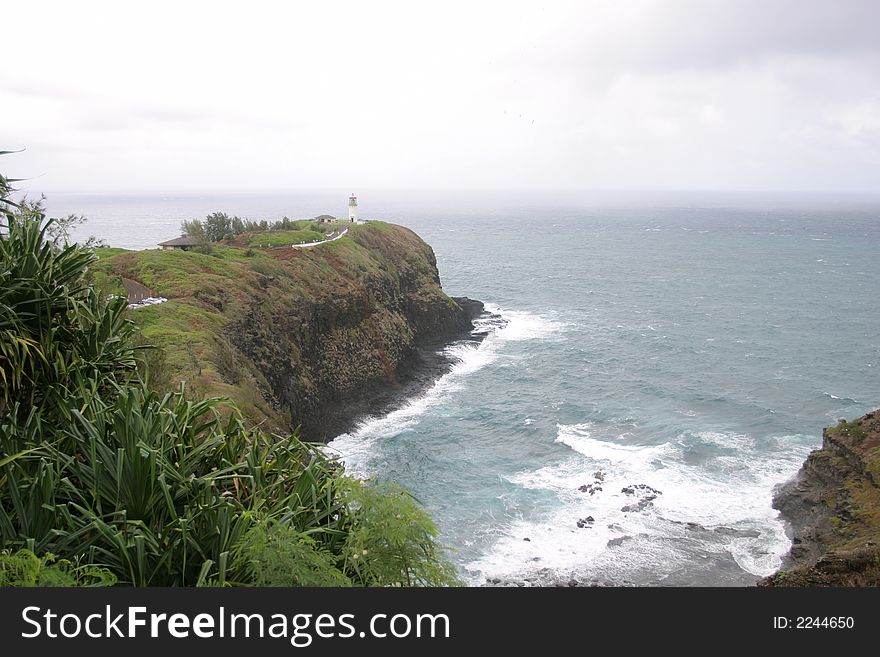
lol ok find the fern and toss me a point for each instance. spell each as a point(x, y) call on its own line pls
point(24, 568)
point(277, 555)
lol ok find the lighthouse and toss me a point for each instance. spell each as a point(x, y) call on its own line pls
point(353, 209)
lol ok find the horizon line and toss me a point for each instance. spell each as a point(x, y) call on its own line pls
point(452, 190)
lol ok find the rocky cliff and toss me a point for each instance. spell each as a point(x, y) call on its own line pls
point(832, 508)
point(314, 337)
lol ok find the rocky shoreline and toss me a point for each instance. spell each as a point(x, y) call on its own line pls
point(414, 375)
point(832, 510)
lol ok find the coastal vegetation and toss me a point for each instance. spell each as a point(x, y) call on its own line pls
point(219, 226)
point(113, 474)
point(287, 237)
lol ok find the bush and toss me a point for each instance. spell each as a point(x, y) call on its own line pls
point(24, 568)
point(391, 541)
point(55, 329)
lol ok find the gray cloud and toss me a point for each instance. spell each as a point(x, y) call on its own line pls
point(602, 94)
point(673, 35)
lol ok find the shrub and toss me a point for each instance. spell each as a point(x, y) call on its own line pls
point(24, 568)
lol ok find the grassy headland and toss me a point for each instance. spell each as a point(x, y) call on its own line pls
point(282, 331)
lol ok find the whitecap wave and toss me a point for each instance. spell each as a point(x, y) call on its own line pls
point(720, 508)
point(847, 400)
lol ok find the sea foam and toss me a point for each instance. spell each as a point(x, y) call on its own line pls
point(722, 510)
point(355, 448)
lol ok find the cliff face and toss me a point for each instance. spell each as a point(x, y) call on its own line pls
point(314, 336)
point(833, 510)
point(361, 340)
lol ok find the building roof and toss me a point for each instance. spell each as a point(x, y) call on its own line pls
point(325, 217)
point(181, 241)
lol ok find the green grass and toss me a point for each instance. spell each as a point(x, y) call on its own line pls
point(286, 237)
point(335, 225)
point(304, 231)
point(181, 273)
point(108, 284)
point(381, 226)
point(108, 252)
point(852, 429)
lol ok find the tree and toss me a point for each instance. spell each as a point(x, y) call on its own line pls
point(194, 229)
point(60, 230)
point(215, 227)
point(218, 226)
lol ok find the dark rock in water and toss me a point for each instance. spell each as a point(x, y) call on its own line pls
point(590, 519)
point(584, 523)
point(740, 533)
point(598, 475)
point(572, 583)
point(592, 489)
point(640, 488)
point(646, 502)
point(527, 539)
point(614, 542)
point(648, 493)
point(639, 506)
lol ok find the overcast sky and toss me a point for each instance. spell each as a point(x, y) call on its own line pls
point(623, 94)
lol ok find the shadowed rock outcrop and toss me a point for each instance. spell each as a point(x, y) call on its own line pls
point(832, 508)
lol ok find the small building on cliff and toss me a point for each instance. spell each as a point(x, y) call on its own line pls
point(182, 243)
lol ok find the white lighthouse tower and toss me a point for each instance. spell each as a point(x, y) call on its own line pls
point(353, 209)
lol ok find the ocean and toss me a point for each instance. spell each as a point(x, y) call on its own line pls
point(665, 362)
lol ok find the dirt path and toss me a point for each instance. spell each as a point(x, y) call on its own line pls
point(137, 292)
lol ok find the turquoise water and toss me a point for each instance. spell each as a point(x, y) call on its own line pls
point(694, 350)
